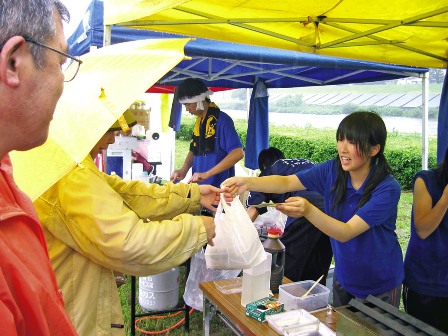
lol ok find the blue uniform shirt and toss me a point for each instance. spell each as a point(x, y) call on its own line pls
point(426, 262)
point(372, 262)
point(227, 139)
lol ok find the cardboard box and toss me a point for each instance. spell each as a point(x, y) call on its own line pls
point(266, 306)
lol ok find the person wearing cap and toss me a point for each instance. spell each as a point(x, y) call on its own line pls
point(97, 223)
point(215, 147)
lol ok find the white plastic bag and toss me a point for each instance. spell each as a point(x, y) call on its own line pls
point(236, 245)
point(200, 273)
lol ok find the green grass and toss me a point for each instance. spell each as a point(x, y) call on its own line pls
point(167, 321)
point(182, 148)
point(404, 219)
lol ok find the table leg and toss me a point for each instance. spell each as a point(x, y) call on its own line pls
point(208, 312)
point(133, 293)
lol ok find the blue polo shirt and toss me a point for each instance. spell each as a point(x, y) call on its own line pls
point(426, 261)
point(227, 139)
point(372, 262)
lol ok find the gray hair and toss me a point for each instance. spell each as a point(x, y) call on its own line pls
point(31, 18)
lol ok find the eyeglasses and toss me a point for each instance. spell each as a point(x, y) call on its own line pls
point(71, 65)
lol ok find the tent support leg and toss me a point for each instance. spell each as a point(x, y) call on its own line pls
point(425, 141)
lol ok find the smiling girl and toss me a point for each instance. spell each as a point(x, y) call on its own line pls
point(361, 198)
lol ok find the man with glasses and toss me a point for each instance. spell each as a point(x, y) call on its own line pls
point(32, 54)
point(71, 65)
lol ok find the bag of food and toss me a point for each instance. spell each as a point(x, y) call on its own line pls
point(236, 245)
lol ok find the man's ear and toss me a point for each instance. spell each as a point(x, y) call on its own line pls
point(12, 56)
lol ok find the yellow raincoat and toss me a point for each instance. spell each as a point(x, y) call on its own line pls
point(92, 223)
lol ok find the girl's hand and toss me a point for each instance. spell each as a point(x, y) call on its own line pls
point(294, 207)
point(235, 185)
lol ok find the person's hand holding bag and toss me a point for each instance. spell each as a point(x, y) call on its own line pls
point(236, 245)
point(210, 196)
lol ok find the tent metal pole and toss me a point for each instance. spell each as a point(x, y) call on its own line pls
point(107, 37)
point(247, 103)
point(425, 142)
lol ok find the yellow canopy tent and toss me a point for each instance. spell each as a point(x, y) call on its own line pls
point(406, 32)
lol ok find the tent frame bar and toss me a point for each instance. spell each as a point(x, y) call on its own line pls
point(333, 22)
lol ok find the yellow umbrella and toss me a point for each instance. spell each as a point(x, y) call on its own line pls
point(109, 80)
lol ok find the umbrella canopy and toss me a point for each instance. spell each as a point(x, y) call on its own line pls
point(407, 32)
point(109, 80)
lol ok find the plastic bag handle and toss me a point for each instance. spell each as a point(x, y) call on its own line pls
point(227, 208)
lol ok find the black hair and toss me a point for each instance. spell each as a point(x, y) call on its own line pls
point(268, 156)
point(441, 171)
point(190, 87)
point(366, 130)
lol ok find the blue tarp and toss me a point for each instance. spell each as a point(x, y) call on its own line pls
point(257, 126)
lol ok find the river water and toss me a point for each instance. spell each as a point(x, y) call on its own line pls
point(393, 124)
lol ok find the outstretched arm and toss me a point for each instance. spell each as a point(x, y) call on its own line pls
point(301, 207)
point(426, 217)
point(274, 184)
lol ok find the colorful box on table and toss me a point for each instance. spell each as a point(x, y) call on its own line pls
point(266, 306)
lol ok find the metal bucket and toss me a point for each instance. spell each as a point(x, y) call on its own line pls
point(159, 292)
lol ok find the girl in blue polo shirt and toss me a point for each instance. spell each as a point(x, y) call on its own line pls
point(425, 291)
point(361, 198)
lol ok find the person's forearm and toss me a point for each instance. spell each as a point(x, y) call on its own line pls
point(426, 217)
point(429, 223)
point(274, 184)
point(229, 161)
point(334, 228)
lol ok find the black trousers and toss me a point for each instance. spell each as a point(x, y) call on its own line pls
point(308, 251)
point(430, 309)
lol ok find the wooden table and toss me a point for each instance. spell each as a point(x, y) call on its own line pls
point(229, 309)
